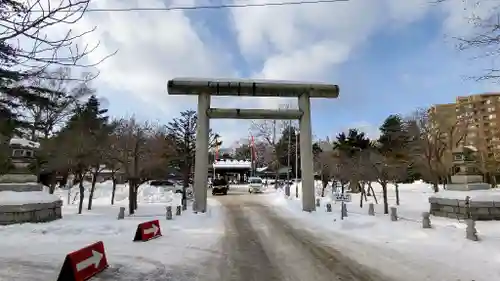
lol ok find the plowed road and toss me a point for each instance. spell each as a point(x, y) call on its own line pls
point(259, 245)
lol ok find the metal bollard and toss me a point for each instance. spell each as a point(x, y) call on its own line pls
point(394, 214)
point(178, 210)
point(426, 220)
point(470, 231)
point(371, 209)
point(329, 207)
point(169, 212)
point(121, 213)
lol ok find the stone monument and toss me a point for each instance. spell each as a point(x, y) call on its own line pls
point(466, 175)
point(19, 187)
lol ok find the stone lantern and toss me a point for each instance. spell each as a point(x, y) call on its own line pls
point(466, 175)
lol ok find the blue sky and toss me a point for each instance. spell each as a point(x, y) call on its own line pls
point(397, 61)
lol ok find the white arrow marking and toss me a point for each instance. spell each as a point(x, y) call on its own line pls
point(95, 259)
point(154, 229)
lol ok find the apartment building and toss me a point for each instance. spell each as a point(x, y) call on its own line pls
point(443, 115)
point(479, 113)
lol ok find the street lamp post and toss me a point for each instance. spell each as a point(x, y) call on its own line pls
point(296, 164)
point(288, 152)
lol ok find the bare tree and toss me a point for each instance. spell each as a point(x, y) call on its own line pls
point(31, 22)
point(101, 144)
point(139, 150)
point(323, 162)
point(385, 169)
point(482, 37)
point(264, 153)
point(111, 161)
point(268, 131)
point(427, 146)
point(69, 151)
point(342, 168)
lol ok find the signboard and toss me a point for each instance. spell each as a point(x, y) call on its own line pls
point(147, 231)
point(343, 197)
point(83, 264)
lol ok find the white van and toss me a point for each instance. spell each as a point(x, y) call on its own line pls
point(255, 185)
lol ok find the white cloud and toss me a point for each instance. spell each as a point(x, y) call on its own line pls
point(152, 48)
point(307, 41)
point(302, 42)
point(461, 16)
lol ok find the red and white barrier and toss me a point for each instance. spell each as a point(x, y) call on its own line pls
point(147, 231)
point(83, 264)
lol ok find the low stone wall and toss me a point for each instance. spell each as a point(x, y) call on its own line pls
point(36, 212)
point(17, 178)
point(21, 187)
point(459, 209)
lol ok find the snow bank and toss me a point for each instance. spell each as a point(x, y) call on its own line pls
point(19, 198)
point(104, 190)
point(24, 142)
point(37, 251)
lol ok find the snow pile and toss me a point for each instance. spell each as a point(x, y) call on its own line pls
point(475, 195)
point(37, 251)
point(403, 249)
point(19, 198)
point(104, 190)
point(296, 188)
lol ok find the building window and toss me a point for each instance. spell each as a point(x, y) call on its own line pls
point(493, 116)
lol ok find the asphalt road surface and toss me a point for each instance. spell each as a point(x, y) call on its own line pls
point(259, 245)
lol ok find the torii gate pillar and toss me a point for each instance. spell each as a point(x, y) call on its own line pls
point(306, 154)
point(201, 156)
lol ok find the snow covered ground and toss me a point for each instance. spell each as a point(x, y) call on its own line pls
point(37, 251)
point(403, 248)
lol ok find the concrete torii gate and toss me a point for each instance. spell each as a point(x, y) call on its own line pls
point(205, 88)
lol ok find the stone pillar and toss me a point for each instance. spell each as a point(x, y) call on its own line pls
point(306, 155)
point(201, 156)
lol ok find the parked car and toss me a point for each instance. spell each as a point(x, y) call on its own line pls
point(255, 185)
point(220, 186)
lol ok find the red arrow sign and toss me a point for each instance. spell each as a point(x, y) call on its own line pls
point(147, 231)
point(82, 264)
